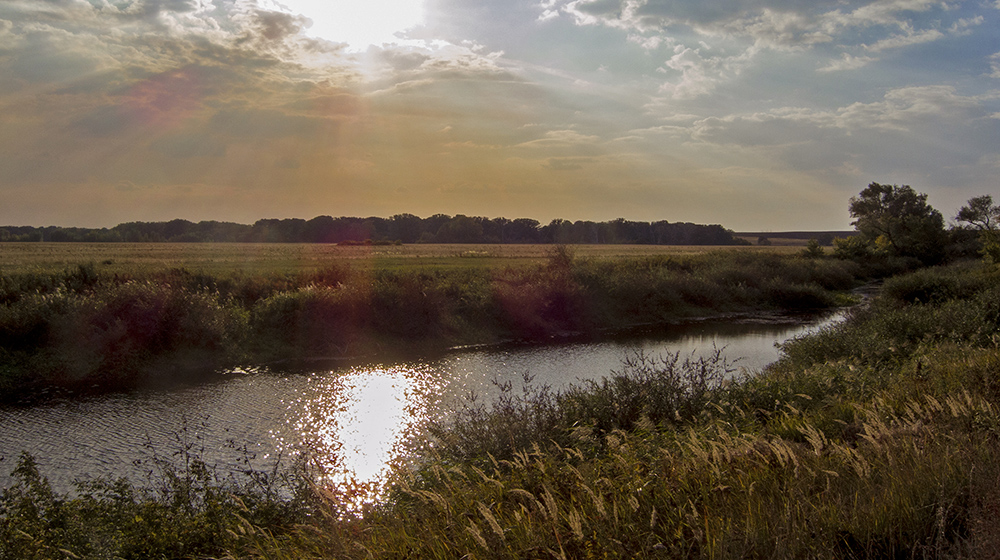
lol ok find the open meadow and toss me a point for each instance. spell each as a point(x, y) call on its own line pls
point(226, 258)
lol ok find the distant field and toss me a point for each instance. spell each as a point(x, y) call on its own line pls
point(272, 257)
point(793, 238)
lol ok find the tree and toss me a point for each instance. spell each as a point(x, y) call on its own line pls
point(813, 249)
point(460, 229)
point(983, 215)
point(899, 218)
point(980, 213)
point(405, 227)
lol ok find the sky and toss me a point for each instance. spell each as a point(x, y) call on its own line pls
point(760, 115)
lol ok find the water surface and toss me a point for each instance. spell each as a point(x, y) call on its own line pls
point(354, 419)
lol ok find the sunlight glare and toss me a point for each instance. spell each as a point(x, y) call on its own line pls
point(360, 425)
point(359, 23)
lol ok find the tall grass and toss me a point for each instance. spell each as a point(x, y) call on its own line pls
point(646, 391)
point(86, 328)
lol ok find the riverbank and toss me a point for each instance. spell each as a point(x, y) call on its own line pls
point(878, 437)
point(90, 329)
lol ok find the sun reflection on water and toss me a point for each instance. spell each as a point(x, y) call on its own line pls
point(359, 426)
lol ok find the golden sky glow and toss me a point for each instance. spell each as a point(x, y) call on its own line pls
point(359, 24)
point(760, 115)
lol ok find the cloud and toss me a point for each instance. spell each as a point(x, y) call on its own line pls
point(7, 37)
point(562, 138)
point(926, 131)
point(905, 40)
point(779, 29)
point(906, 108)
point(278, 26)
point(700, 75)
point(846, 62)
point(714, 40)
point(994, 65)
point(882, 12)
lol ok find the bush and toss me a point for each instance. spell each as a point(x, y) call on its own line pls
point(936, 285)
point(646, 391)
point(408, 305)
point(121, 332)
point(660, 390)
point(535, 304)
point(309, 322)
point(962, 306)
point(184, 511)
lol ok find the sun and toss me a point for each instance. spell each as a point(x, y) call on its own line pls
point(359, 23)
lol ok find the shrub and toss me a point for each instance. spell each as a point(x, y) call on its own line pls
point(87, 328)
point(661, 390)
point(813, 249)
point(646, 391)
point(537, 303)
point(408, 305)
point(119, 332)
point(308, 322)
point(936, 285)
point(963, 306)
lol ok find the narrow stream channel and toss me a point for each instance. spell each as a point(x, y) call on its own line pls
point(356, 416)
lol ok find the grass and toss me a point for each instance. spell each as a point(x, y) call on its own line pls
point(115, 326)
point(257, 258)
point(878, 438)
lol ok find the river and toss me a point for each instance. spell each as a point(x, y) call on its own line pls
point(355, 417)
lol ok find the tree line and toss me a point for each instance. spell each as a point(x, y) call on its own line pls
point(400, 228)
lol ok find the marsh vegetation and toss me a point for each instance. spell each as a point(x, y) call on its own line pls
point(97, 325)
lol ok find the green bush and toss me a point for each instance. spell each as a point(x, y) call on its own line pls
point(658, 390)
point(308, 322)
point(935, 285)
point(408, 305)
point(184, 511)
point(646, 391)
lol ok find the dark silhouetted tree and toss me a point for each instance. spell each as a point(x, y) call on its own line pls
point(900, 220)
point(980, 213)
point(405, 227)
point(460, 229)
point(984, 216)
